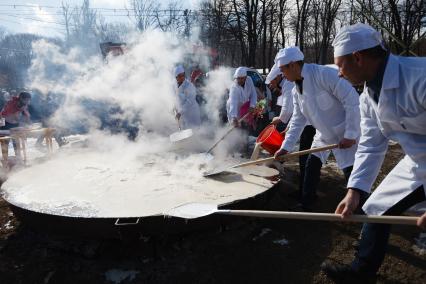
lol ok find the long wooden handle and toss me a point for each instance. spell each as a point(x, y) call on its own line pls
point(399, 220)
point(177, 119)
point(226, 134)
point(288, 156)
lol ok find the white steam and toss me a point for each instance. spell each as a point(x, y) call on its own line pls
point(140, 81)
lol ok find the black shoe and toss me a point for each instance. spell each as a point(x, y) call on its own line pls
point(343, 273)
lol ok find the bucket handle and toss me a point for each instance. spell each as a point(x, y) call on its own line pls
point(119, 223)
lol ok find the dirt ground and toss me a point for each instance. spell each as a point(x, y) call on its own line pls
point(247, 250)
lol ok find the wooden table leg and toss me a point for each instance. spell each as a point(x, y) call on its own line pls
point(24, 148)
point(5, 152)
point(49, 142)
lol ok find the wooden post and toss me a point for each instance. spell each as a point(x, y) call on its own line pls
point(4, 141)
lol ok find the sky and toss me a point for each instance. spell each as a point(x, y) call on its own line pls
point(42, 16)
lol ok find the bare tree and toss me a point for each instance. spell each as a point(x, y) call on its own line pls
point(67, 15)
point(171, 19)
point(301, 20)
point(144, 13)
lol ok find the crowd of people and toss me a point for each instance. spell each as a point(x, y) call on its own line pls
point(319, 105)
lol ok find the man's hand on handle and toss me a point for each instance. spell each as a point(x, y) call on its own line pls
point(346, 143)
point(349, 203)
point(279, 153)
point(421, 222)
point(235, 122)
point(275, 120)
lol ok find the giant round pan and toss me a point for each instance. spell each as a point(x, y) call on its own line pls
point(90, 193)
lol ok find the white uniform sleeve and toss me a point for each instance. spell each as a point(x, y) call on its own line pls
point(297, 123)
point(371, 150)
point(252, 91)
point(287, 101)
point(233, 111)
point(349, 98)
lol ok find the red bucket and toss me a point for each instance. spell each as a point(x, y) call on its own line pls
point(270, 139)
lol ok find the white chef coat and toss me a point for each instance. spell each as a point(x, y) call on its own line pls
point(240, 95)
point(400, 115)
point(331, 105)
point(286, 100)
point(187, 105)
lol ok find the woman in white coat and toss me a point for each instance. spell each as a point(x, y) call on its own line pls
point(241, 91)
point(331, 105)
point(393, 107)
point(187, 108)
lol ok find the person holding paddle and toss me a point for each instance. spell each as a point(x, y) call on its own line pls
point(328, 103)
point(241, 92)
point(393, 107)
point(187, 108)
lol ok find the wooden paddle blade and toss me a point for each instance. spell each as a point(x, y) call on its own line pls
point(192, 210)
point(255, 170)
point(221, 171)
point(181, 135)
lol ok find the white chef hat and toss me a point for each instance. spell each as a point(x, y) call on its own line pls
point(355, 38)
point(280, 53)
point(240, 72)
point(290, 54)
point(179, 70)
point(275, 71)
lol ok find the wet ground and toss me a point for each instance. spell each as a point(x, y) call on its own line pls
point(246, 250)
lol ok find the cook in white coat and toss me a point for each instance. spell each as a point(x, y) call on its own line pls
point(331, 105)
point(188, 110)
point(393, 107)
point(285, 100)
point(308, 133)
point(241, 91)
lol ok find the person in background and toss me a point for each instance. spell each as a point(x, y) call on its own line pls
point(331, 105)
point(14, 112)
point(43, 108)
point(187, 108)
point(393, 107)
point(198, 80)
point(262, 119)
point(241, 92)
point(285, 100)
point(308, 133)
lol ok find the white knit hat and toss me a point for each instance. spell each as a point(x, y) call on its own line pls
point(179, 70)
point(275, 71)
point(289, 54)
point(240, 72)
point(355, 38)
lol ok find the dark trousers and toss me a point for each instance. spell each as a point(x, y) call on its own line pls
point(375, 237)
point(306, 139)
point(312, 179)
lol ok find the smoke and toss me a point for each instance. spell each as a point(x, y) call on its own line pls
point(136, 87)
point(139, 82)
point(218, 83)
